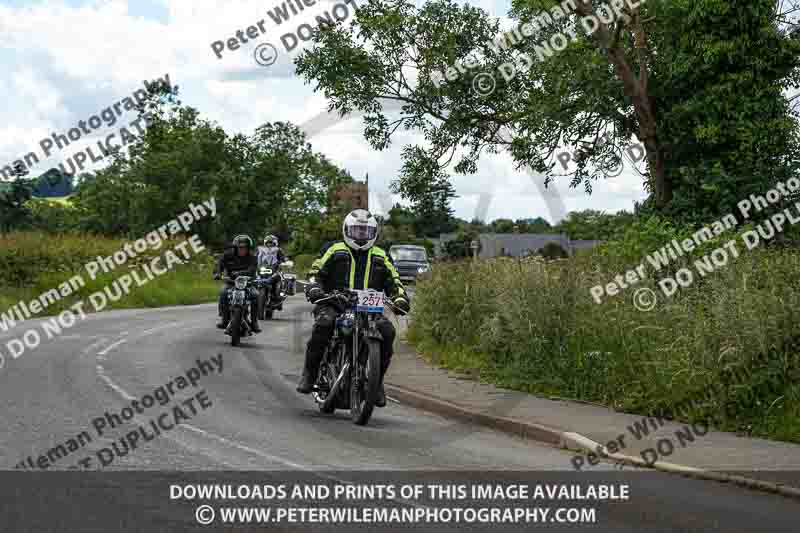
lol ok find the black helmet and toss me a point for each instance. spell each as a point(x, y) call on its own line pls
point(243, 240)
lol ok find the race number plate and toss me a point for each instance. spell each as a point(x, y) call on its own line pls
point(370, 301)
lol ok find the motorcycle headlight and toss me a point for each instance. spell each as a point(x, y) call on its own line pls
point(241, 282)
point(265, 271)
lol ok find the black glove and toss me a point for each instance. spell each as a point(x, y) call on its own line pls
point(314, 294)
point(402, 304)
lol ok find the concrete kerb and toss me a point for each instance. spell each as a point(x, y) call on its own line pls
point(572, 441)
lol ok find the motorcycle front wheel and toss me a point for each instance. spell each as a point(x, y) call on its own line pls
point(261, 304)
point(365, 383)
point(236, 326)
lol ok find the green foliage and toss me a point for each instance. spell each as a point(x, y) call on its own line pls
point(591, 224)
point(533, 326)
point(35, 262)
point(13, 199)
point(553, 250)
point(699, 93)
point(460, 247)
point(724, 117)
point(270, 182)
point(52, 216)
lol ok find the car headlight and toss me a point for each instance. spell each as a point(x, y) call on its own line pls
point(241, 282)
point(422, 269)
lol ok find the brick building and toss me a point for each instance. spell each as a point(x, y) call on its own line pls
point(356, 194)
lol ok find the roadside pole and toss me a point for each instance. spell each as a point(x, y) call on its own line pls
point(474, 246)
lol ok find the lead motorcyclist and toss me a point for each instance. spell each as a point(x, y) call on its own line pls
point(237, 260)
point(271, 255)
point(355, 263)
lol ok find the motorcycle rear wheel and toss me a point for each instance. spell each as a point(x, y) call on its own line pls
point(363, 395)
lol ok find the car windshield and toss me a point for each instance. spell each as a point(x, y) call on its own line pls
point(409, 254)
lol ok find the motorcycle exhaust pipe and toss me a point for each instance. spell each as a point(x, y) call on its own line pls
point(336, 384)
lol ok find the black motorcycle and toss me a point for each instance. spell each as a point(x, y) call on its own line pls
point(350, 372)
point(241, 305)
point(267, 279)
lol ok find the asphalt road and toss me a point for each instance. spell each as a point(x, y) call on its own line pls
point(257, 422)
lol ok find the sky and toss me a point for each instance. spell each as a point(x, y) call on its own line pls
point(66, 60)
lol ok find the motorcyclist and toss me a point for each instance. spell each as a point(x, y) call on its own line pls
point(371, 269)
point(271, 255)
point(237, 260)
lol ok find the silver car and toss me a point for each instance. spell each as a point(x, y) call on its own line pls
point(409, 260)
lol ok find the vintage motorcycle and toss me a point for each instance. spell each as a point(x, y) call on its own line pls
point(350, 372)
point(241, 303)
point(266, 281)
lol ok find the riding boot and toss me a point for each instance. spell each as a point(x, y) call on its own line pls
point(310, 371)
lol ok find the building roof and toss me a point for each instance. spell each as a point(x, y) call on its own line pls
point(517, 244)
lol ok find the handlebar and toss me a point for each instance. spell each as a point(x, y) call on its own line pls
point(339, 294)
point(232, 279)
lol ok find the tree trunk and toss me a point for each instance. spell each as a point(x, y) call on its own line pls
point(636, 89)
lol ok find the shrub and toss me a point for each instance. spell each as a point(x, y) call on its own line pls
point(553, 250)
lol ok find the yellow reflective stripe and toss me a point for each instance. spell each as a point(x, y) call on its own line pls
point(352, 269)
point(369, 267)
point(328, 253)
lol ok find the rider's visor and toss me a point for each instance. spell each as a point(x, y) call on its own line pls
point(361, 232)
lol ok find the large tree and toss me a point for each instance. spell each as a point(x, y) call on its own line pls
point(271, 181)
point(689, 79)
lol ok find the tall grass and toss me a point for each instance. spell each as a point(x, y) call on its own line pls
point(32, 263)
point(533, 326)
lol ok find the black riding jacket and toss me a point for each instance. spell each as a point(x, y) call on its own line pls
point(343, 268)
point(232, 262)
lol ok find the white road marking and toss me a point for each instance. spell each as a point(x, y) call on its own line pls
point(112, 346)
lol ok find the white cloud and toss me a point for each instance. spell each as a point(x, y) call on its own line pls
point(71, 62)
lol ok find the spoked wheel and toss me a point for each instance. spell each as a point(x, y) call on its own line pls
point(365, 384)
point(328, 378)
point(236, 326)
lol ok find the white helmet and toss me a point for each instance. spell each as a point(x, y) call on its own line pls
point(360, 229)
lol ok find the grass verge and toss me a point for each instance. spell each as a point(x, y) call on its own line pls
point(34, 263)
point(723, 350)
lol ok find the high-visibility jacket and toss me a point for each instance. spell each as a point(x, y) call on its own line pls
point(343, 268)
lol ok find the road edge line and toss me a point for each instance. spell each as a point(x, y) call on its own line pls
point(573, 441)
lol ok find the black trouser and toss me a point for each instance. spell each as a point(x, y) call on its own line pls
point(321, 333)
